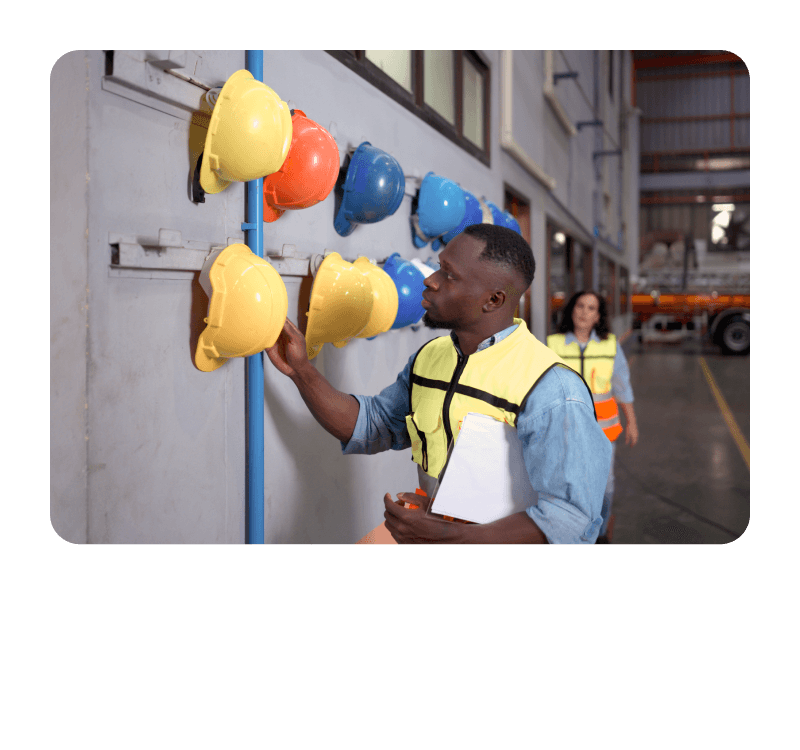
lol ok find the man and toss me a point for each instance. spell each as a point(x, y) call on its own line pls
point(490, 364)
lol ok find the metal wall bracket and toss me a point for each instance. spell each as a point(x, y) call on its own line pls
point(288, 261)
point(169, 252)
point(158, 79)
point(589, 123)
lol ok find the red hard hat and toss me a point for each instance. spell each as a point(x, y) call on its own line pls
point(309, 172)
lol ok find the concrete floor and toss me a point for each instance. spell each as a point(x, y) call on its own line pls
point(686, 481)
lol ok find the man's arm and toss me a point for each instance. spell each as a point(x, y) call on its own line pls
point(516, 529)
point(567, 457)
point(337, 412)
point(416, 527)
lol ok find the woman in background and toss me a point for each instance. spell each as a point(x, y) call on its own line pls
point(585, 344)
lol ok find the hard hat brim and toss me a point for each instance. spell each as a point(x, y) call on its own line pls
point(210, 343)
point(340, 306)
point(210, 181)
point(385, 299)
point(202, 360)
point(342, 225)
point(271, 213)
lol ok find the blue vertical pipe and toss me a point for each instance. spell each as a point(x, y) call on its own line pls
point(254, 377)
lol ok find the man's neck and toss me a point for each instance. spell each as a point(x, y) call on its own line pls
point(469, 341)
point(583, 337)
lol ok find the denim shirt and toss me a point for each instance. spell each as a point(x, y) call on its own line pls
point(567, 455)
point(621, 379)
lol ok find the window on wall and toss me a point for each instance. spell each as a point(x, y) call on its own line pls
point(607, 284)
point(448, 89)
point(624, 290)
point(395, 63)
point(520, 209)
point(559, 251)
point(581, 267)
point(569, 270)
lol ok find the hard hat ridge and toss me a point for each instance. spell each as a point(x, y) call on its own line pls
point(440, 207)
point(249, 134)
point(308, 173)
point(247, 307)
point(373, 189)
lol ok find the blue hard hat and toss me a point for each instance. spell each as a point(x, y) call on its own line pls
point(440, 208)
point(511, 222)
point(472, 215)
point(373, 189)
point(503, 218)
point(409, 282)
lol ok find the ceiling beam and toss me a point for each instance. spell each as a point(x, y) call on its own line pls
point(671, 61)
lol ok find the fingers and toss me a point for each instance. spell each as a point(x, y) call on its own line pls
point(412, 498)
point(291, 330)
point(399, 509)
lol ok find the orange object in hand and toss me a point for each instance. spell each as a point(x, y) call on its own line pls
point(411, 506)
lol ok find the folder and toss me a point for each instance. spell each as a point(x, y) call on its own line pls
point(485, 476)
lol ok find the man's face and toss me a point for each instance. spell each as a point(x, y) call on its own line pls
point(455, 294)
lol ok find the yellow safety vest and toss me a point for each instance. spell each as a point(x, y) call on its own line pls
point(445, 387)
point(596, 365)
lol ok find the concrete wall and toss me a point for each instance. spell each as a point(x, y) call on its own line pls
point(146, 448)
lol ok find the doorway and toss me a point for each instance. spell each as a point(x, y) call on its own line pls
point(520, 209)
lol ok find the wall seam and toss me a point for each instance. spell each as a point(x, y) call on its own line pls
point(87, 473)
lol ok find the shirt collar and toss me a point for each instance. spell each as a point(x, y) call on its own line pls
point(495, 338)
point(570, 337)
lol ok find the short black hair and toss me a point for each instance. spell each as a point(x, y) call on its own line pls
point(505, 247)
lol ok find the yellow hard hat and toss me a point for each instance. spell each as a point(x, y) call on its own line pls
point(340, 305)
point(249, 134)
point(384, 298)
point(247, 309)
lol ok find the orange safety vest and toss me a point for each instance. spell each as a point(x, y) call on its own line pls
point(595, 363)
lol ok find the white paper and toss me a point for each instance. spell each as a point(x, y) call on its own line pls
point(485, 478)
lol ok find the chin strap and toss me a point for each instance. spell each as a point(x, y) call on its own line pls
point(198, 194)
point(415, 224)
point(486, 212)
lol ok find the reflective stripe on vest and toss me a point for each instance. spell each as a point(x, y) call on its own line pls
point(445, 387)
point(596, 364)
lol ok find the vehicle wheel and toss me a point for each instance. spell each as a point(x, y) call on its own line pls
point(735, 336)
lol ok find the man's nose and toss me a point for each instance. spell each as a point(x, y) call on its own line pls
point(430, 283)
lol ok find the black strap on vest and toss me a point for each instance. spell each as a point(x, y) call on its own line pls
point(466, 390)
point(483, 395)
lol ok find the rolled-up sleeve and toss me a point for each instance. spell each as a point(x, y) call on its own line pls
point(621, 379)
point(567, 457)
point(381, 423)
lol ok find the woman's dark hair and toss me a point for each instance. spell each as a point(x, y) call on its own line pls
point(505, 247)
point(601, 327)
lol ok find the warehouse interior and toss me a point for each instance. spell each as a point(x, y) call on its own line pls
point(627, 172)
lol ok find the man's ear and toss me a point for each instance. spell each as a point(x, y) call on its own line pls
point(495, 301)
